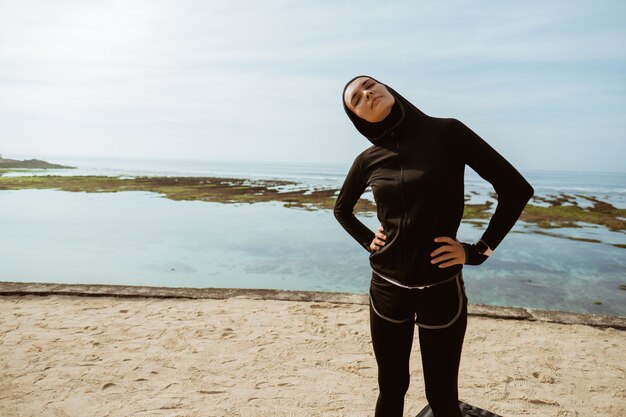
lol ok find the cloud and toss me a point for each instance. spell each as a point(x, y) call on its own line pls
point(246, 80)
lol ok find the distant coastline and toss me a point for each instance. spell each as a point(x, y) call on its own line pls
point(7, 164)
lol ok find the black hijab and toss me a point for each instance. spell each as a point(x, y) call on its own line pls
point(379, 132)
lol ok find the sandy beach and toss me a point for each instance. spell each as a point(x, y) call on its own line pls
point(68, 355)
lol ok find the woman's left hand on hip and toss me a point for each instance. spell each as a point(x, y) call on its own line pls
point(452, 252)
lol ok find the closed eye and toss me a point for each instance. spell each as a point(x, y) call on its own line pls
point(358, 99)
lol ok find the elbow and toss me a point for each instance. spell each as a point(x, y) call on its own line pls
point(523, 192)
point(518, 195)
point(528, 191)
point(338, 212)
point(342, 215)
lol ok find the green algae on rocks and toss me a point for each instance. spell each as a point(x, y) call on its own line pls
point(214, 189)
point(563, 211)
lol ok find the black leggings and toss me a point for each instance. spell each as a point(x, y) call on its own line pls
point(440, 346)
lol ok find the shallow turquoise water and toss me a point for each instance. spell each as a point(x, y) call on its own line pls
point(140, 238)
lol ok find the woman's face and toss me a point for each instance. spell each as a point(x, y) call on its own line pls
point(368, 99)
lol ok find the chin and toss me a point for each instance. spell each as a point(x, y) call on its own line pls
point(385, 109)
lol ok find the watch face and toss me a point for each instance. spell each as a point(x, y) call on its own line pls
point(481, 247)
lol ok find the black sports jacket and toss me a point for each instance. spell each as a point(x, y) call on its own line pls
point(416, 172)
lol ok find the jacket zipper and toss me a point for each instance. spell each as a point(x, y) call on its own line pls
point(404, 261)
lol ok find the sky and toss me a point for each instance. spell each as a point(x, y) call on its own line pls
point(541, 82)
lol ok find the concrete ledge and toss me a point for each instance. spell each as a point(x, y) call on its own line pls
point(89, 290)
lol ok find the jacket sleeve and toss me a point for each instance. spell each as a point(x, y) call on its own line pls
point(349, 194)
point(513, 190)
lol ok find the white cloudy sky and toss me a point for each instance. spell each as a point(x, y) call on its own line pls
point(542, 81)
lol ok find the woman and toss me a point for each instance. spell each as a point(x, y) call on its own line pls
point(415, 169)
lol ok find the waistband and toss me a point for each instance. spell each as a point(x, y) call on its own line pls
point(420, 287)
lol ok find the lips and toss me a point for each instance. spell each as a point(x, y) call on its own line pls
point(374, 101)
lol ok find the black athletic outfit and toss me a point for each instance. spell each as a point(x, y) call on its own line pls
point(415, 168)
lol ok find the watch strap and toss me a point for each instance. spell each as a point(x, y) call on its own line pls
point(483, 248)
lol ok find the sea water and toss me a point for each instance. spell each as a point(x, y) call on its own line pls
point(142, 238)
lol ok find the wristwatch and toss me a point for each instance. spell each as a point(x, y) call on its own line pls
point(483, 248)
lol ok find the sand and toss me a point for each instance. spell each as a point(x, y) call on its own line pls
point(65, 355)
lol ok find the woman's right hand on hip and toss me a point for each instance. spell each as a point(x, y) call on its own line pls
point(379, 240)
